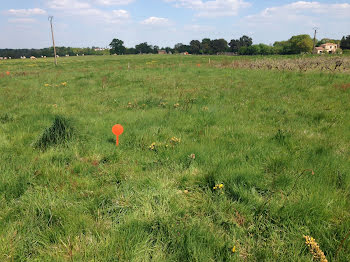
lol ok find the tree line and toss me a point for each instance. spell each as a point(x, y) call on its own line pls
point(242, 46)
point(48, 52)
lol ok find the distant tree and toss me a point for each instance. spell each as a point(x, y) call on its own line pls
point(144, 48)
point(327, 40)
point(245, 41)
point(250, 50)
point(206, 46)
point(243, 50)
point(177, 47)
point(195, 47)
point(181, 48)
point(282, 47)
point(236, 44)
point(131, 51)
point(218, 46)
point(169, 49)
point(301, 44)
point(117, 47)
point(345, 42)
point(265, 49)
point(155, 49)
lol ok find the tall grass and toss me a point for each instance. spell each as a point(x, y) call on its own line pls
point(59, 132)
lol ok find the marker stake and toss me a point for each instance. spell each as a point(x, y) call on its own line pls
point(117, 130)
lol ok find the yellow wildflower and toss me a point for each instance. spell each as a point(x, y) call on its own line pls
point(152, 146)
point(64, 83)
point(219, 187)
point(174, 140)
point(234, 249)
point(47, 85)
point(315, 249)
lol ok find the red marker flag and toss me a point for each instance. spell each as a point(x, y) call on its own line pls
point(118, 130)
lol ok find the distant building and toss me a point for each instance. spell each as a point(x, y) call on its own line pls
point(318, 50)
point(162, 52)
point(328, 48)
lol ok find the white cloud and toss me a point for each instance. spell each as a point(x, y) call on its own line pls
point(67, 4)
point(300, 17)
point(301, 12)
point(114, 2)
point(158, 21)
point(213, 8)
point(89, 12)
point(199, 28)
point(122, 14)
point(21, 20)
point(26, 12)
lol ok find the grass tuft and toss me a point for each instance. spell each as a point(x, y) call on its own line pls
point(60, 132)
point(5, 118)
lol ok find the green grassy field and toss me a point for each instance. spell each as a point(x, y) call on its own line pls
point(212, 158)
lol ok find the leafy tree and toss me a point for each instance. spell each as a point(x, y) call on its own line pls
point(117, 47)
point(236, 44)
point(155, 49)
point(345, 42)
point(181, 48)
point(218, 46)
point(327, 40)
point(131, 51)
point(206, 46)
point(195, 47)
point(169, 49)
point(282, 47)
point(245, 41)
point(301, 44)
point(266, 49)
point(250, 50)
point(144, 48)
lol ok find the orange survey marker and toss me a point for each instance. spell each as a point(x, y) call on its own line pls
point(7, 73)
point(118, 130)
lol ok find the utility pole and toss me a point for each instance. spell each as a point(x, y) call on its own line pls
point(315, 28)
point(53, 39)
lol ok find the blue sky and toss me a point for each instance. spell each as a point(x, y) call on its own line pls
point(83, 23)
